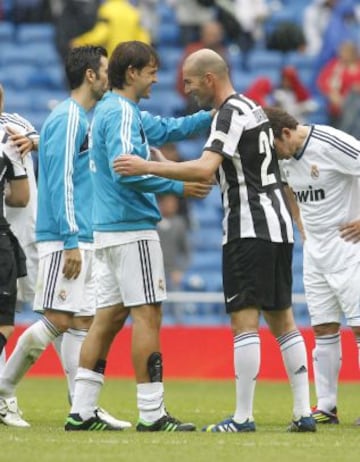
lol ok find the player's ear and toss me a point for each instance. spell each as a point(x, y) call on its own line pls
point(285, 133)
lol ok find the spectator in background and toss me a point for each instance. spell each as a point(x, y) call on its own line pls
point(337, 79)
point(72, 18)
point(249, 16)
point(260, 91)
point(172, 230)
point(117, 21)
point(342, 26)
point(170, 152)
point(350, 119)
point(316, 18)
point(191, 15)
point(292, 95)
point(212, 37)
point(150, 18)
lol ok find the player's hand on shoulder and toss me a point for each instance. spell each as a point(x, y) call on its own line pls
point(130, 165)
point(196, 190)
point(351, 231)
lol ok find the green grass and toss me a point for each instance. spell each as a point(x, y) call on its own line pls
point(44, 404)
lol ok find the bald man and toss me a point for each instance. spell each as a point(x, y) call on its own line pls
point(257, 233)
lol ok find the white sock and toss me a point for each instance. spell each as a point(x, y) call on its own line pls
point(88, 385)
point(150, 401)
point(293, 352)
point(31, 343)
point(327, 363)
point(2, 361)
point(70, 354)
point(246, 365)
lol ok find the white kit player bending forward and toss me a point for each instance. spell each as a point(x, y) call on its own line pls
point(322, 167)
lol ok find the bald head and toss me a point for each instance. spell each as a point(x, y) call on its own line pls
point(205, 60)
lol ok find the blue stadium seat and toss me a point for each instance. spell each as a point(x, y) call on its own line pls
point(169, 33)
point(16, 101)
point(46, 100)
point(168, 101)
point(298, 283)
point(213, 280)
point(30, 33)
point(166, 13)
point(42, 54)
point(16, 76)
point(210, 239)
point(166, 80)
point(191, 148)
point(48, 77)
point(243, 80)
point(206, 216)
point(170, 56)
point(7, 31)
point(193, 281)
point(261, 60)
point(209, 260)
point(300, 60)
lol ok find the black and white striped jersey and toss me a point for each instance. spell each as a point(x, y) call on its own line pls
point(252, 193)
point(11, 167)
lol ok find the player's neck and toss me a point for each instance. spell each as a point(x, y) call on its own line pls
point(83, 98)
point(127, 92)
point(302, 135)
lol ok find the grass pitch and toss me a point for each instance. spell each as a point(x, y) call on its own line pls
point(45, 407)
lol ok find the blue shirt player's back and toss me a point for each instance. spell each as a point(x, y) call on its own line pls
point(64, 183)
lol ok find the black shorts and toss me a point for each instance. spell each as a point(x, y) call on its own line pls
point(257, 273)
point(8, 276)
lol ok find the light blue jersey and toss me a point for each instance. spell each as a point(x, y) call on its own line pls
point(64, 183)
point(119, 127)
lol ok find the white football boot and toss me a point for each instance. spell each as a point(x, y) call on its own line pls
point(10, 413)
point(108, 418)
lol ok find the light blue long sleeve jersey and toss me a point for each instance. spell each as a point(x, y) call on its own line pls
point(119, 127)
point(64, 182)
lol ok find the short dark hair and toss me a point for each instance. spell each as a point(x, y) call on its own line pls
point(79, 60)
point(280, 119)
point(133, 53)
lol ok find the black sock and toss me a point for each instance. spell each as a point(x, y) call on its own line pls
point(3, 341)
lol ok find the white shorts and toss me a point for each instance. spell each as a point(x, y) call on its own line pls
point(26, 285)
point(332, 295)
point(131, 274)
point(54, 291)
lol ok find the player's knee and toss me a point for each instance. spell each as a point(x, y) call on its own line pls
point(326, 329)
point(155, 367)
point(356, 330)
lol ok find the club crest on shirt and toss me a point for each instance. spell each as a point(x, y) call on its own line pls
point(314, 172)
point(62, 295)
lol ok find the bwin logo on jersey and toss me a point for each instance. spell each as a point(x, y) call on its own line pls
point(310, 195)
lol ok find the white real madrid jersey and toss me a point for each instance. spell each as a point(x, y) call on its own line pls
point(324, 177)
